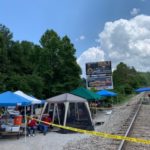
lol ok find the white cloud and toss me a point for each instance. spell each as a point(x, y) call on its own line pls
point(93, 54)
point(135, 11)
point(82, 37)
point(127, 41)
point(123, 40)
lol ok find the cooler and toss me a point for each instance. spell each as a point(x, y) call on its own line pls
point(17, 120)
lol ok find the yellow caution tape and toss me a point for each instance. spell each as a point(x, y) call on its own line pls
point(100, 134)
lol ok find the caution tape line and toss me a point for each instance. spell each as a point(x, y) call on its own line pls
point(100, 134)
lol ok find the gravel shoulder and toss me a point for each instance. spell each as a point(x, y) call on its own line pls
point(112, 123)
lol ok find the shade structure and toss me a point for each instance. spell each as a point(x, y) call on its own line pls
point(87, 94)
point(143, 89)
point(10, 99)
point(66, 97)
point(32, 99)
point(106, 93)
point(69, 110)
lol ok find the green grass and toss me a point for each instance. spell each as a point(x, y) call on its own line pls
point(122, 99)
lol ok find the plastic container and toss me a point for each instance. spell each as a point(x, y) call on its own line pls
point(17, 120)
point(8, 128)
point(15, 129)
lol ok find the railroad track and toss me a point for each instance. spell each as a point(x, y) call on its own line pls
point(137, 125)
point(140, 129)
point(124, 129)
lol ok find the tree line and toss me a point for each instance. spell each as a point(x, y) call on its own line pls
point(42, 70)
point(126, 79)
point(50, 68)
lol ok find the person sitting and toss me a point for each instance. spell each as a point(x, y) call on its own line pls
point(31, 127)
point(44, 126)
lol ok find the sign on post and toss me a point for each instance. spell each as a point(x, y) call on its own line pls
point(99, 75)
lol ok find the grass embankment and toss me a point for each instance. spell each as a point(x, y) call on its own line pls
point(121, 99)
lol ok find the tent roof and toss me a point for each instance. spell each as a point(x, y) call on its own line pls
point(143, 89)
point(66, 97)
point(87, 94)
point(106, 93)
point(10, 99)
point(32, 99)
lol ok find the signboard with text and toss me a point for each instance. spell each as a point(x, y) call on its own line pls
point(96, 68)
point(99, 75)
point(100, 82)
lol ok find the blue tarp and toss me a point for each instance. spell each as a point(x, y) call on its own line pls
point(143, 89)
point(10, 99)
point(106, 93)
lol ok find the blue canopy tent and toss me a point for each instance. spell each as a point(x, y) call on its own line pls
point(10, 99)
point(33, 100)
point(106, 93)
point(30, 98)
point(144, 89)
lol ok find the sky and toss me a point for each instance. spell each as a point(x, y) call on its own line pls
point(111, 30)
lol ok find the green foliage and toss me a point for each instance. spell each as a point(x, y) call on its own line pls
point(61, 72)
point(146, 77)
point(83, 82)
point(41, 70)
point(50, 68)
point(127, 79)
point(93, 89)
point(121, 99)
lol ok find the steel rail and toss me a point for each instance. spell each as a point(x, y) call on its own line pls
point(129, 128)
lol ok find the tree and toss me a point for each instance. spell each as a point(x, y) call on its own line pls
point(71, 72)
point(83, 82)
point(5, 43)
point(41, 70)
point(61, 72)
point(5, 37)
point(126, 79)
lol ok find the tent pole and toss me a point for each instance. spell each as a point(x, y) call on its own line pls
point(66, 110)
point(43, 110)
point(87, 106)
point(25, 123)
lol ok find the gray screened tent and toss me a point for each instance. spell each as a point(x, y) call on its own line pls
point(69, 110)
